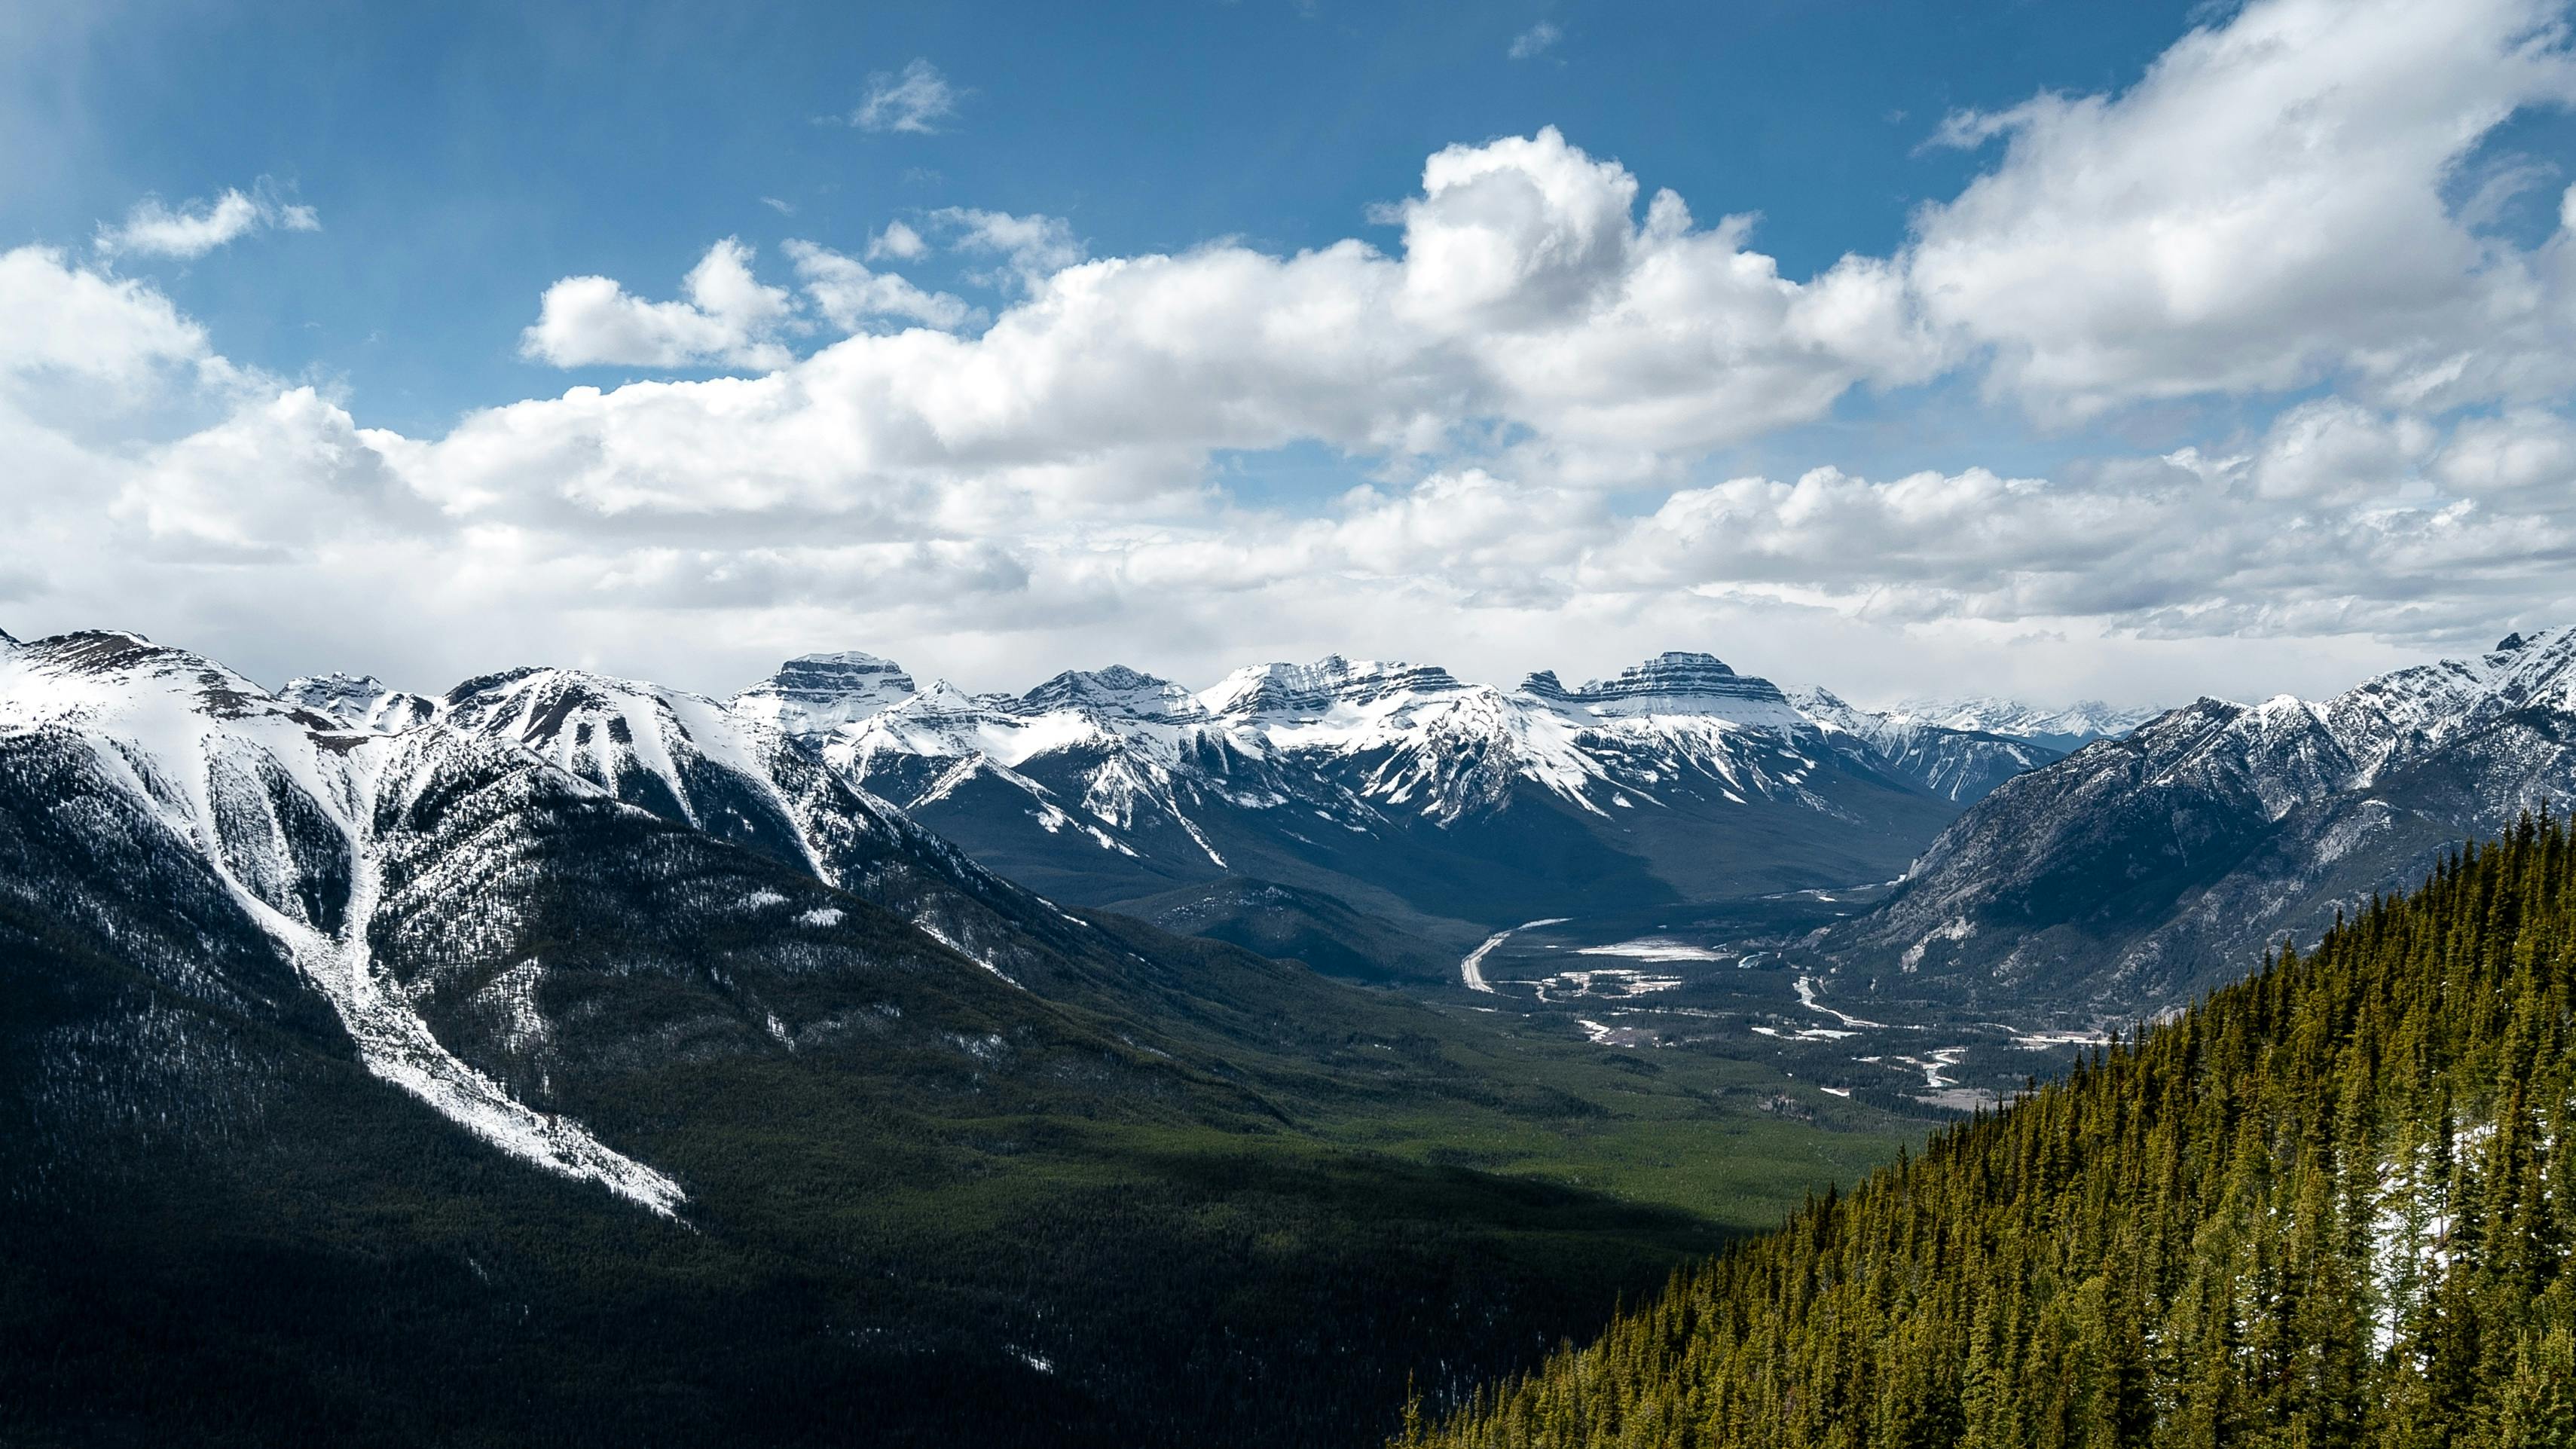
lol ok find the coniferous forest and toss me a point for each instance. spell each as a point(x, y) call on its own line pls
point(2328, 1206)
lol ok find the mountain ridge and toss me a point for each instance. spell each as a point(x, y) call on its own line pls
point(2123, 878)
point(1114, 785)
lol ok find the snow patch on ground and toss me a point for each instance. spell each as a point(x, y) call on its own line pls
point(1609, 982)
point(1812, 1033)
point(1807, 999)
point(1654, 948)
point(1196, 835)
point(2040, 1041)
point(944, 939)
point(514, 992)
point(1941, 1089)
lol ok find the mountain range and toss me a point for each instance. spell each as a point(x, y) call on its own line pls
point(2066, 728)
point(1376, 819)
point(805, 1008)
point(1372, 818)
point(1436, 806)
point(418, 875)
point(2139, 871)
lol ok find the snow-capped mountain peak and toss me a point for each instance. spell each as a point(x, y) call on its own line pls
point(2400, 714)
point(814, 694)
point(79, 678)
point(280, 806)
point(1831, 711)
point(680, 755)
point(1673, 683)
point(943, 720)
point(360, 702)
point(1304, 690)
point(2538, 668)
point(1118, 692)
point(2218, 825)
point(2067, 725)
point(2521, 671)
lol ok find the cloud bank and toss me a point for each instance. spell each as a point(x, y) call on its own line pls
point(1533, 375)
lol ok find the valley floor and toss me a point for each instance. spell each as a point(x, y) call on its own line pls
point(1433, 1196)
point(1727, 982)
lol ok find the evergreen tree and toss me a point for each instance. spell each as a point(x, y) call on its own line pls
point(2332, 1205)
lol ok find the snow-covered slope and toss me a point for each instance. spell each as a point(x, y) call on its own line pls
point(497, 902)
point(732, 775)
point(361, 702)
point(682, 756)
point(1962, 765)
point(2064, 728)
point(1399, 786)
point(2135, 872)
point(287, 811)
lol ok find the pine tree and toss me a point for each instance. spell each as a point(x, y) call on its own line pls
point(2331, 1205)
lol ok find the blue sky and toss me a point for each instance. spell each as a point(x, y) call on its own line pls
point(466, 156)
point(2129, 350)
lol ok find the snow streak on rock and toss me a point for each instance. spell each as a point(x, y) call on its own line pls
point(250, 784)
point(396, 1045)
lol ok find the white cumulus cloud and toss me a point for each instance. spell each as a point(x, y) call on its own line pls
point(729, 318)
point(2262, 210)
point(61, 319)
point(898, 241)
point(1529, 293)
point(851, 296)
point(1035, 247)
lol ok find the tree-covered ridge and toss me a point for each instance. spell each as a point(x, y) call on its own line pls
point(2328, 1206)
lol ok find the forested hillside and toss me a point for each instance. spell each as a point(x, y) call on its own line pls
point(2327, 1206)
